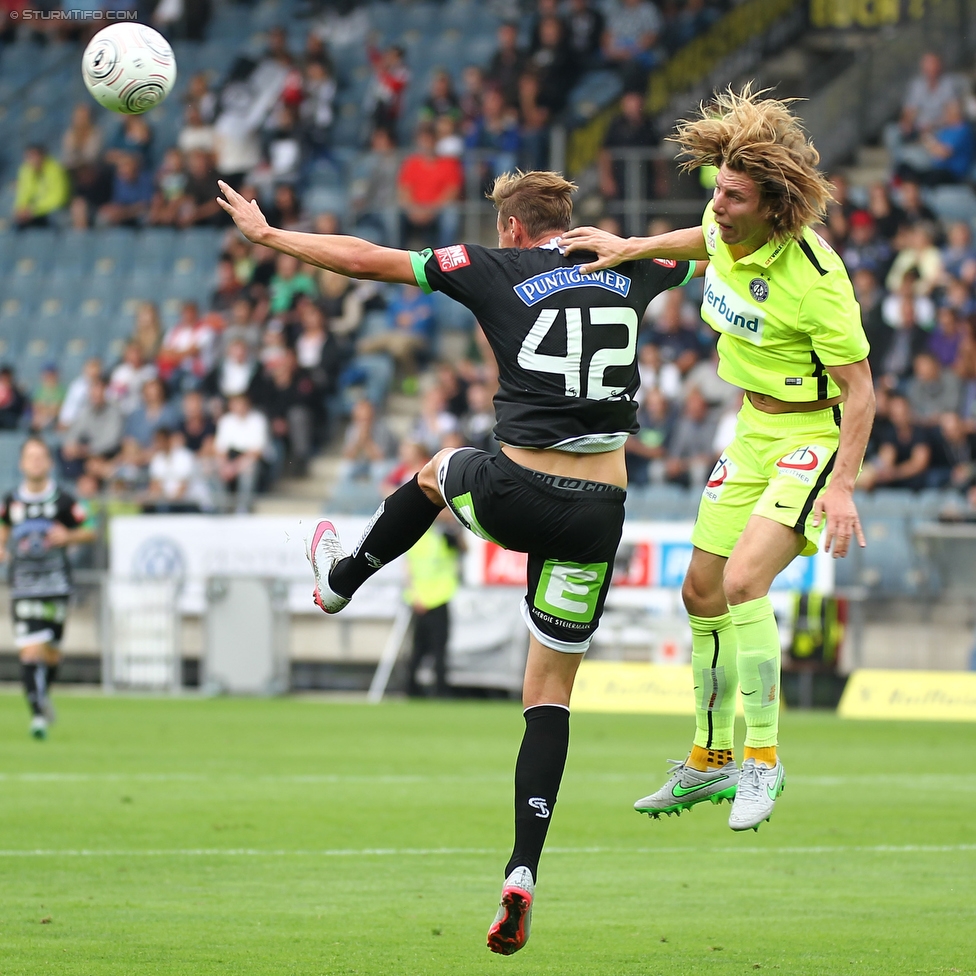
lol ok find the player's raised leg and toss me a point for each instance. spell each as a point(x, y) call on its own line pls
point(764, 550)
point(549, 676)
point(396, 525)
point(709, 772)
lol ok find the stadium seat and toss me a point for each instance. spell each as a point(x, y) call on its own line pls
point(154, 249)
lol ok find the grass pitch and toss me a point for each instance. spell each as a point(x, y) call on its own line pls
point(300, 836)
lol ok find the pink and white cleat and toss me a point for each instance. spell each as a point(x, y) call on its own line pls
point(323, 551)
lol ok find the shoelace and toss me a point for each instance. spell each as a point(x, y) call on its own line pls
point(750, 781)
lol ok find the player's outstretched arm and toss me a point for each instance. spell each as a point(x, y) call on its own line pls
point(836, 504)
point(687, 244)
point(346, 255)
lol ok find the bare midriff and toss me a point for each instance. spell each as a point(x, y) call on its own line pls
point(608, 467)
point(770, 404)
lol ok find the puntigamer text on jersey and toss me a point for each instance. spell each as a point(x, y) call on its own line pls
point(540, 286)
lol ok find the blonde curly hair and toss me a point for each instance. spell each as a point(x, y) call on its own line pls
point(761, 138)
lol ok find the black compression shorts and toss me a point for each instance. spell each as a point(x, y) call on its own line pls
point(569, 528)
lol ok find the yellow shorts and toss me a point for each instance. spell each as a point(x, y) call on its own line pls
point(776, 466)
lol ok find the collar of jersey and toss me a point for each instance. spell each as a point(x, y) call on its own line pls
point(553, 245)
point(765, 255)
point(30, 497)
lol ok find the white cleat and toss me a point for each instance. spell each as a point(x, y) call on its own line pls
point(686, 787)
point(323, 551)
point(510, 930)
point(38, 727)
point(759, 787)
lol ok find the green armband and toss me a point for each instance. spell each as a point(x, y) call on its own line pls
point(418, 261)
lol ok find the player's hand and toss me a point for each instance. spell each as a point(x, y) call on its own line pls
point(609, 249)
point(247, 214)
point(58, 535)
point(837, 506)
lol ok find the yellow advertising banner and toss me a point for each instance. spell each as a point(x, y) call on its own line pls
point(630, 686)
point(942, 696)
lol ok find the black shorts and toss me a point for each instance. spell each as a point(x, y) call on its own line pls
point(569, 528)
point(39, 620)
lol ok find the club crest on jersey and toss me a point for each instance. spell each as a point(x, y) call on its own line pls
point(802, 463)
point(759, 289)
point(723, 470)
point(453, 257)
point(533, 290)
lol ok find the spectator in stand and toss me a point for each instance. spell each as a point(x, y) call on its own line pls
point(291, 278)
point(478, 423)
point(429, 187)
point(690, 451)
point(81, 156)
point(133, 137)
point(42, 188)
point(645, 451)
point(893, 308)
point(944, 155)
point(703, 377)
point(507, 65)
point(285, 394)
point(959, 297)
point(919, 254)
point(369, 445)
point(953, 461)
point(286, 210)
point(434, 422)
point(552, 64)
point(285, 142)
point(128, 379)
point(196, 135)
point(945, 340)
point(76, 396)
point(186, 354)
point(384, 98)
point(865, 248)
point(692, 19)
point(152, 413)
point(958, 254)
point(170, 187)
point(317, 111)
point(929, 93)
point(913, 208)
point(888, 217)
point(175, 480)
point(242, 445)
point(127, 473)
point(903, 454)
point(632, 128)
point(534, 130)
point(236, 373)
point(932, 391)
point(496, 133)
point(228, 290)
point(372, 191)
point(197, 427)
point(95, 434)
point(656, 375)
point(441, 99)
point(343, 301)
point(317, 351)
point(13, 403)
point(472, 92)
point(879, 334)
point(132, 193)
point(449, 142)
point(410, 330)
point(199, 208)
point(543, 9)
point(46, 399)
point(897, 351)
point(585, 26)
point(148, 331)
point(630, 39)
point(200, 96)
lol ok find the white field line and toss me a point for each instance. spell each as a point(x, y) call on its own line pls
point(481, 851)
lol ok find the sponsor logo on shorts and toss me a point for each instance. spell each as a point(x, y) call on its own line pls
point(666, 262)
point(533, 290)
point(802, 463)
point(728, 312)
point(723, 470)
point(453, 257)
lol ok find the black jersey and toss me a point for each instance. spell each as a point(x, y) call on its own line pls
point(566, 343)
point(37, 569)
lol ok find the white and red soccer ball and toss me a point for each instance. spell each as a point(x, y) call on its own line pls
point(128, 68)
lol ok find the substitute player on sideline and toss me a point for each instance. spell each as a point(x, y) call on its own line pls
point(39, 521)
point(566, 349)
point(790, 335)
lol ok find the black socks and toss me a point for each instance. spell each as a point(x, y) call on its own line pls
point(37, 678)
point(398, 523)
point(538, 772)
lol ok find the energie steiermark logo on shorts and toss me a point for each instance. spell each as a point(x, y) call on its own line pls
point(569, 591)
point(728, 312)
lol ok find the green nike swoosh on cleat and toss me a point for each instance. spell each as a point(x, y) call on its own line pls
point(679, 790)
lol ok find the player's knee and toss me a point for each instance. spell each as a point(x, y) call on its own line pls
point(739, 585)
point(698, 597)
point(427, 479)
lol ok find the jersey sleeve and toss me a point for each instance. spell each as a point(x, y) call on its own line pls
point(830, 315)
point(71, 513)
point(463, 272)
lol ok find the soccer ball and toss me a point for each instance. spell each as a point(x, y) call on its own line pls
point(128, 68)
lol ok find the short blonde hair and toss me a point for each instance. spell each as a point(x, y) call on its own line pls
point(761, 138)
point(541, 200)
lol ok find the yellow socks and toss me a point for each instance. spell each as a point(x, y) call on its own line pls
point(764, 754)
point(707, 759)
